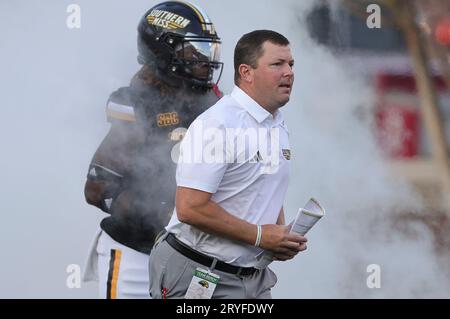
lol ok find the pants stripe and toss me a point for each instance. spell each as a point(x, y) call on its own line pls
point(113, 274)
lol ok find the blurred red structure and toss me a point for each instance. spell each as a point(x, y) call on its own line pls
point(398, 114)
point(442, 32)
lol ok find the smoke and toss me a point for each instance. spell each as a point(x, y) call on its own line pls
point(336, 160)
point(55, 84)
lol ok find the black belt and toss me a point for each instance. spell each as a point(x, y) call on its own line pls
point(205, 260)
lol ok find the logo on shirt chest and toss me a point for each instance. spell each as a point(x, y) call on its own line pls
point(167, 119)
point(286, 154)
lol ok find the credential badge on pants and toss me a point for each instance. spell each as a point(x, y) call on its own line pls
point(202, 285)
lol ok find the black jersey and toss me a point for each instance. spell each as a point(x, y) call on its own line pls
point(161, 118)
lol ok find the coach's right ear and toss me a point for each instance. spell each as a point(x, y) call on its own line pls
point(246, 73)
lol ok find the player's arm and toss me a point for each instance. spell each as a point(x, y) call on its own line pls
point(105, 178)
point(102, 186)
point(107, 169)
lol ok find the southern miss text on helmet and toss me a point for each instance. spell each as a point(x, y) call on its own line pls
point(180, 38)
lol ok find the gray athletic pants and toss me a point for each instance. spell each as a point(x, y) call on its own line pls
point(173, 272)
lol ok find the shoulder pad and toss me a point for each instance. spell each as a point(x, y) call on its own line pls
point(120, 105)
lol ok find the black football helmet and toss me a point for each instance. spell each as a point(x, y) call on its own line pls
point(181, 40)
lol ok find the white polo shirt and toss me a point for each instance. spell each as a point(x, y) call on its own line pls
point(240, 153)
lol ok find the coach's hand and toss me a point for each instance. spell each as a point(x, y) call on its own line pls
point(284, 245)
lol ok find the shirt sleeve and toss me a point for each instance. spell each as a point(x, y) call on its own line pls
point(120, 107)
point(204, 156)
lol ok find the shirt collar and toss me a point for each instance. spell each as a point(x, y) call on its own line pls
point(277, 119)
point(251, 106)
